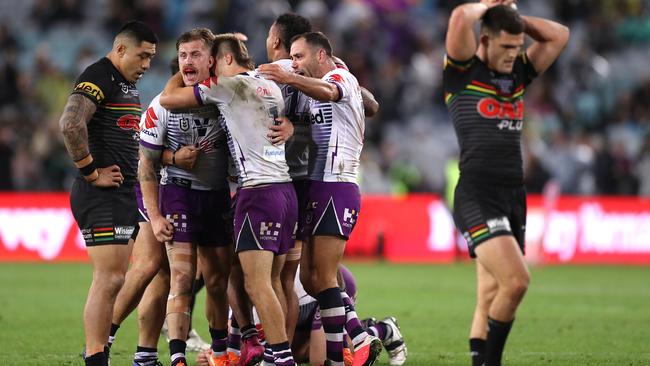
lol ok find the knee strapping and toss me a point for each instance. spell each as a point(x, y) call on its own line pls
point(293, 254)
point(178, 303)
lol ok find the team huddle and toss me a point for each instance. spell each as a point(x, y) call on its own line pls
point(154, 185)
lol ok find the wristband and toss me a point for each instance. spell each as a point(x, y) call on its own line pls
point(88, 169)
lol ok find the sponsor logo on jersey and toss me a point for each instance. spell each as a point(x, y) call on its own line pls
point(318, 118)
point(493, 109)
point(129, 122)
point(274, 153)
point(150, 118)
point(262, 91)
point(91, 90)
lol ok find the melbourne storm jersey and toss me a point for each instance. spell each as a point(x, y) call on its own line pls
point(113, 131)
point(297, 109)
point(487, 109)
point(337, 130)
point(201, 127)
point(249, 104)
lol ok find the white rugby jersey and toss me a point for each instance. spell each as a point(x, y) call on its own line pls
point(297, 109)
point(202, 127)
point(337, 130)
point(249, 105)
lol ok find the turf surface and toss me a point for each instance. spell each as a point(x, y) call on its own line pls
point(572, 315)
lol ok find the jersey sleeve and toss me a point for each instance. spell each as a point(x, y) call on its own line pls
point(337, 78)
point(524, 69)
point(94, 83)
point(153, 126)
point(213, 91)
point(456, 74)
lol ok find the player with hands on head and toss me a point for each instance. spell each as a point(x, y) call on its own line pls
point(484, 80)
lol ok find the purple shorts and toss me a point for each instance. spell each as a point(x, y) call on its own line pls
point(142, 211)
point(199, 217)
point(332, 210)
point(265, 218)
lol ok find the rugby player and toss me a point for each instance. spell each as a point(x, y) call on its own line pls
point(100, 129)
point(266, 212)
point(484, 84)
point(194, 205)
point(337, 118)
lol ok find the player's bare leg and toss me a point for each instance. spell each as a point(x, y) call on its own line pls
point(110, 263)
point(148, 255)
point(502, 258)
point(182, 263)
point(257, 267)
point(287, 278)
point(151, 316)
point(486, 290)
point(276, 282)
point(215, 265)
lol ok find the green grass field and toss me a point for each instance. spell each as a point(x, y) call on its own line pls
point(572, 315)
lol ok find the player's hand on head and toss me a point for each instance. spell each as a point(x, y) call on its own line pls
point(186, 157)
point(109, 177)
point(162, 229)
point(280, 132)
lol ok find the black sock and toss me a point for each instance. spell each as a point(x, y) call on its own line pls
point(98, 359)
point(496, 341)
point(477, 351)
point(248, 331)
point(111, 335)
point(176, 350)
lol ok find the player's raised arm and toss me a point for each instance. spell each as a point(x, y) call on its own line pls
point(461, 42)
point(318, 89)
point(176, 95)
point(550, 39)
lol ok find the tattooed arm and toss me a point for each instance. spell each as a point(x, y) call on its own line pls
point(149, 161)
point(73, 124)
point(76, 115)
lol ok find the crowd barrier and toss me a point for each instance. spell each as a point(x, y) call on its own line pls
point(410, 229)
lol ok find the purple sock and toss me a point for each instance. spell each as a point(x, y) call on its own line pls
point(352, 323)
point(332, 314)
point(219, 341)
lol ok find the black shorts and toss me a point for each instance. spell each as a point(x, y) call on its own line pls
point(302, 194)
point(483, 212)
point(104, 215)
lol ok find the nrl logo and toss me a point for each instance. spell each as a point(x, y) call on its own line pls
point(184, 124)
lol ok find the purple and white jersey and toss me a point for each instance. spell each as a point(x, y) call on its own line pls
point(202, 127)
point(297, 109)
point(249, 104)
point(337, 131)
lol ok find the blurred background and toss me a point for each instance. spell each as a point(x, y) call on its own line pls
point(587, 119)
